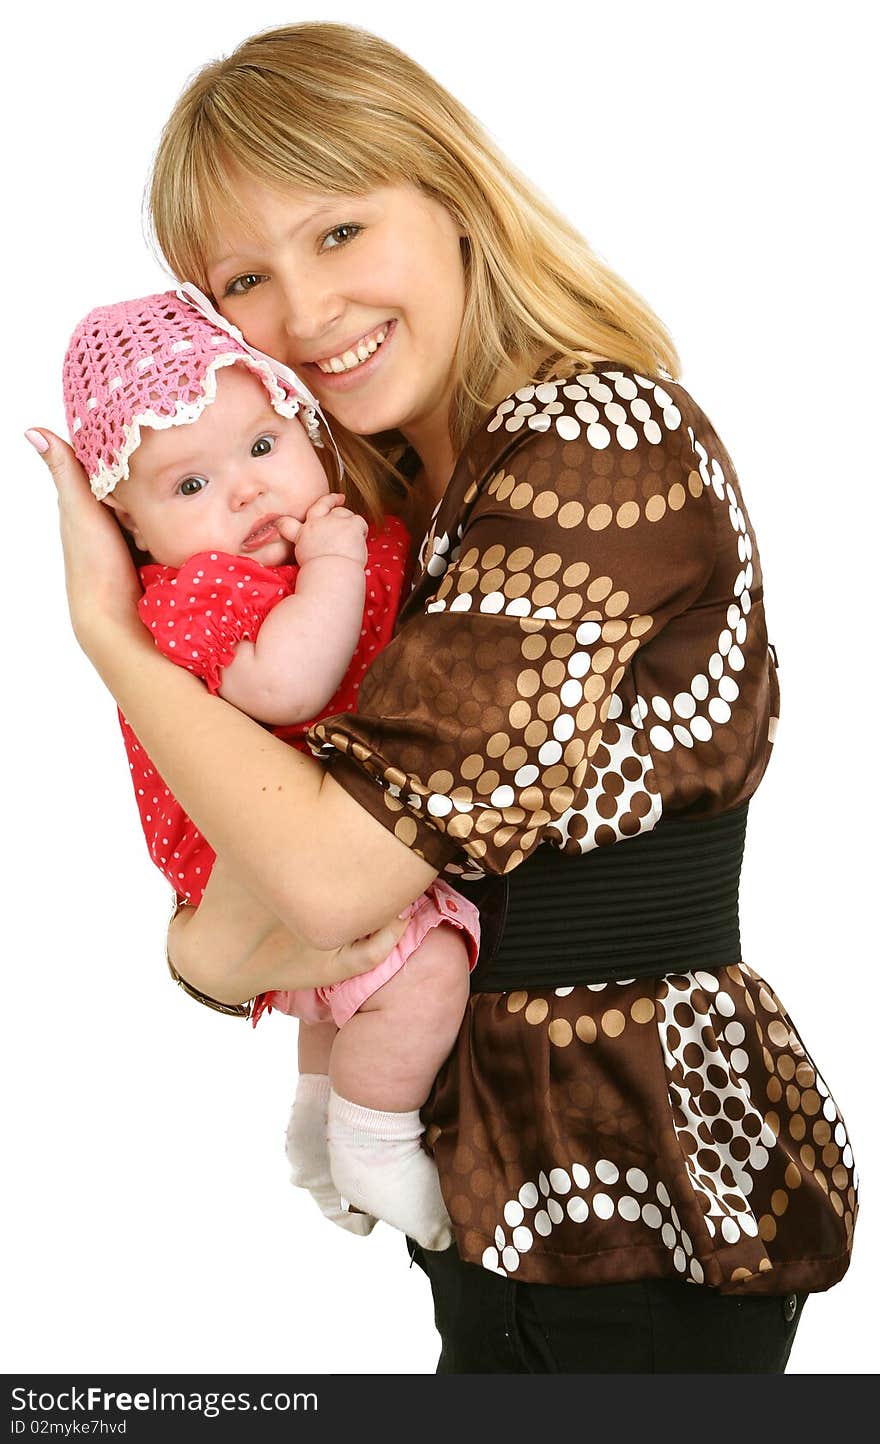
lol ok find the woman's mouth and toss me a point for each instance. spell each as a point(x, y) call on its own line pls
point(356, 362)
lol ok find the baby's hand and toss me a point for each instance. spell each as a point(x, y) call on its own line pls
point(329, 529)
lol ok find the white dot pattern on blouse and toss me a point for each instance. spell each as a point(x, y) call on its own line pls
point(557, 572)
point(583, 651)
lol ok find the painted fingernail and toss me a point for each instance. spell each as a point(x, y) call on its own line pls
point(37, 441)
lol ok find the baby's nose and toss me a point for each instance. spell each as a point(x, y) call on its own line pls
point(245, 490)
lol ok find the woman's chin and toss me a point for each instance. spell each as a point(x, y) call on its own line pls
point(367, 410)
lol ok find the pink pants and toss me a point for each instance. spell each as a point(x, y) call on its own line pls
point(340, 1001)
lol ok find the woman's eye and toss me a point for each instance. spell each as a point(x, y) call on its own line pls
point(192, 485)
point(340, 235)
point(263, 445)
point(242, 284)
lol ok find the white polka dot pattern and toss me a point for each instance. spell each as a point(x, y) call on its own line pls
point(547, 574)
point(613, 1192)
point(740, 1160)
point(581, 824)
point(689, 1012)
point(591, 655)
point(597, 414)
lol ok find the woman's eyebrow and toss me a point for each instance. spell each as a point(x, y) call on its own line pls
point(213, 265)
point(332, 205)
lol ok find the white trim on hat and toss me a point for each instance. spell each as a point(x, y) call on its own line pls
point(106, 478)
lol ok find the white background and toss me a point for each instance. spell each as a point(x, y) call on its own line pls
point(721, 158)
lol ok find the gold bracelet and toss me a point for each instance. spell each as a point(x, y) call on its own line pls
point(232, 1010)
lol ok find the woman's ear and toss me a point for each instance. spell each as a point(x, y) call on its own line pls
point(126, 520)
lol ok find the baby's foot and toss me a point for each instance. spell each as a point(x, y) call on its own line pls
point(308, 1154)
point(378, 1164)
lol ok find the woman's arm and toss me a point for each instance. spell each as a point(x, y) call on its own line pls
point(231, 947)
point(326, 869)
point(310, 854)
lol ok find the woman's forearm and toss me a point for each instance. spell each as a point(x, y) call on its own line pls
point(220, 946)
point(231, 947)
point(234, 967)
point(317, 861)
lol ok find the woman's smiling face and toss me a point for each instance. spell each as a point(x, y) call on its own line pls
point(362, 295)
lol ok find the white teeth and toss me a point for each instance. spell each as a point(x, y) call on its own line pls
point(349, 360)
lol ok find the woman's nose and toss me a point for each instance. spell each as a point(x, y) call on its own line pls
point(309, 311)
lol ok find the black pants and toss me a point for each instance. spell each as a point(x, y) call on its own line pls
point(494, 1325)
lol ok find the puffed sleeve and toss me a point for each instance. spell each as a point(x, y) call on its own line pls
point(198, 615)
point(568, 539)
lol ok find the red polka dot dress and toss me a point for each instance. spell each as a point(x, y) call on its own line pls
point(197, 616)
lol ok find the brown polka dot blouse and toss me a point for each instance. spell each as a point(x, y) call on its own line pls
point(583, 654)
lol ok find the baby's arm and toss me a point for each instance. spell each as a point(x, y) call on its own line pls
point(304, 647)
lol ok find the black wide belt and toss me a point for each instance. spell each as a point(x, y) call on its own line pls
point(665, 901)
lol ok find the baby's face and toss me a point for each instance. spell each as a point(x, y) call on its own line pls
point(220, 483)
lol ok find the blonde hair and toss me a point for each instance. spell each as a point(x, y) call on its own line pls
point(331, 108)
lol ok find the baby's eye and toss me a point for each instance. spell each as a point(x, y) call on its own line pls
point(192, 485)
point(242, 284)
point(340, 235)
point(263, 446)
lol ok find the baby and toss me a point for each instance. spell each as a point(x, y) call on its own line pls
point(267, 586)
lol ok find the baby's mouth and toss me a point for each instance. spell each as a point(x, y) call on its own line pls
point(265, 531)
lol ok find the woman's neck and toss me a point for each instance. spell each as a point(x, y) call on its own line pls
point(430, 439)
point(433, 446)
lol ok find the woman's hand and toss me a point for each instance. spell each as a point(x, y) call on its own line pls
point(103, 589)
point(231, 948)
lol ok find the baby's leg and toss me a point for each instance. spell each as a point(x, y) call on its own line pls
point(307, 1148)
point(314, 1046)
point(383, 1063)
point(388, 1055)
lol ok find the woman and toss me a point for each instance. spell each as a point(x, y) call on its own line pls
point(644, 1169)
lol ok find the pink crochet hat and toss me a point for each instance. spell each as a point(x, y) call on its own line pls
point(154, 362)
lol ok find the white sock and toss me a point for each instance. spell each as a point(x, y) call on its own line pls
point(377, 1163)
point(308, 1154)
